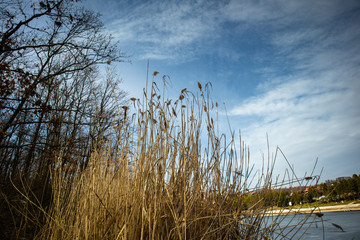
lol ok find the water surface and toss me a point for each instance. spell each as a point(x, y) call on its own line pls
point(315, 227)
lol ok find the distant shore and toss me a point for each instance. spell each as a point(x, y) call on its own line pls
point(335, 208)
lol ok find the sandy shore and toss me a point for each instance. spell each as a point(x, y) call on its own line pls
point(336, 208)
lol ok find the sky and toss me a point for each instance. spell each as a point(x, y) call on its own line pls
point(289, 70)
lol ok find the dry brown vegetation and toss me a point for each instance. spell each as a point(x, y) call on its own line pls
point(160, 182)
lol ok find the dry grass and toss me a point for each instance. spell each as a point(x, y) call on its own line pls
point(159, 181)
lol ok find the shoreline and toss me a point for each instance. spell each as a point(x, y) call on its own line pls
point(337, 208)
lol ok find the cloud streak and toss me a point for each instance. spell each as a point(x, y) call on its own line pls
point(165, 29)
point(314, 110)
point(310, 109)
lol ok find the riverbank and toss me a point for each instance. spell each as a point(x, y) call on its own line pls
point(335, 208)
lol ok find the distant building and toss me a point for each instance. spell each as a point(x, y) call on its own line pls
point(336, 180)
point(342, 178)
point(329, 181)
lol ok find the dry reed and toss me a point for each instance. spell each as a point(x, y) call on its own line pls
point(157, 181)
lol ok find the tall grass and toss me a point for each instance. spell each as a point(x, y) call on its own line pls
point(159, 181)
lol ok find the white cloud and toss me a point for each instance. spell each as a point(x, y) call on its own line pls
point(155, 28)
point(251, 11)
point(283, 13)
point(158, 28)
point(308, 118)
point(313, 111)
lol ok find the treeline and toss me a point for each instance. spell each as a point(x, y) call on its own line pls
point(347, 189)
point(53, 102)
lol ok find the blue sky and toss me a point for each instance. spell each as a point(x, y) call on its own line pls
point(289, 69)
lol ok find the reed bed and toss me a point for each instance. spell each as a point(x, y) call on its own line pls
point(157, 180)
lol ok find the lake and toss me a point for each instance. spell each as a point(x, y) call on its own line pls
point(315, 227)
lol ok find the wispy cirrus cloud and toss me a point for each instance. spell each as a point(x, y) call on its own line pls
point(165, 29)
point(188, 29)
point(305, 123)
point(309, 109)
point(313, 113)
point(283, 13)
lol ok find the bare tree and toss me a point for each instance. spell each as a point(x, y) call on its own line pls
point(49, 57)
